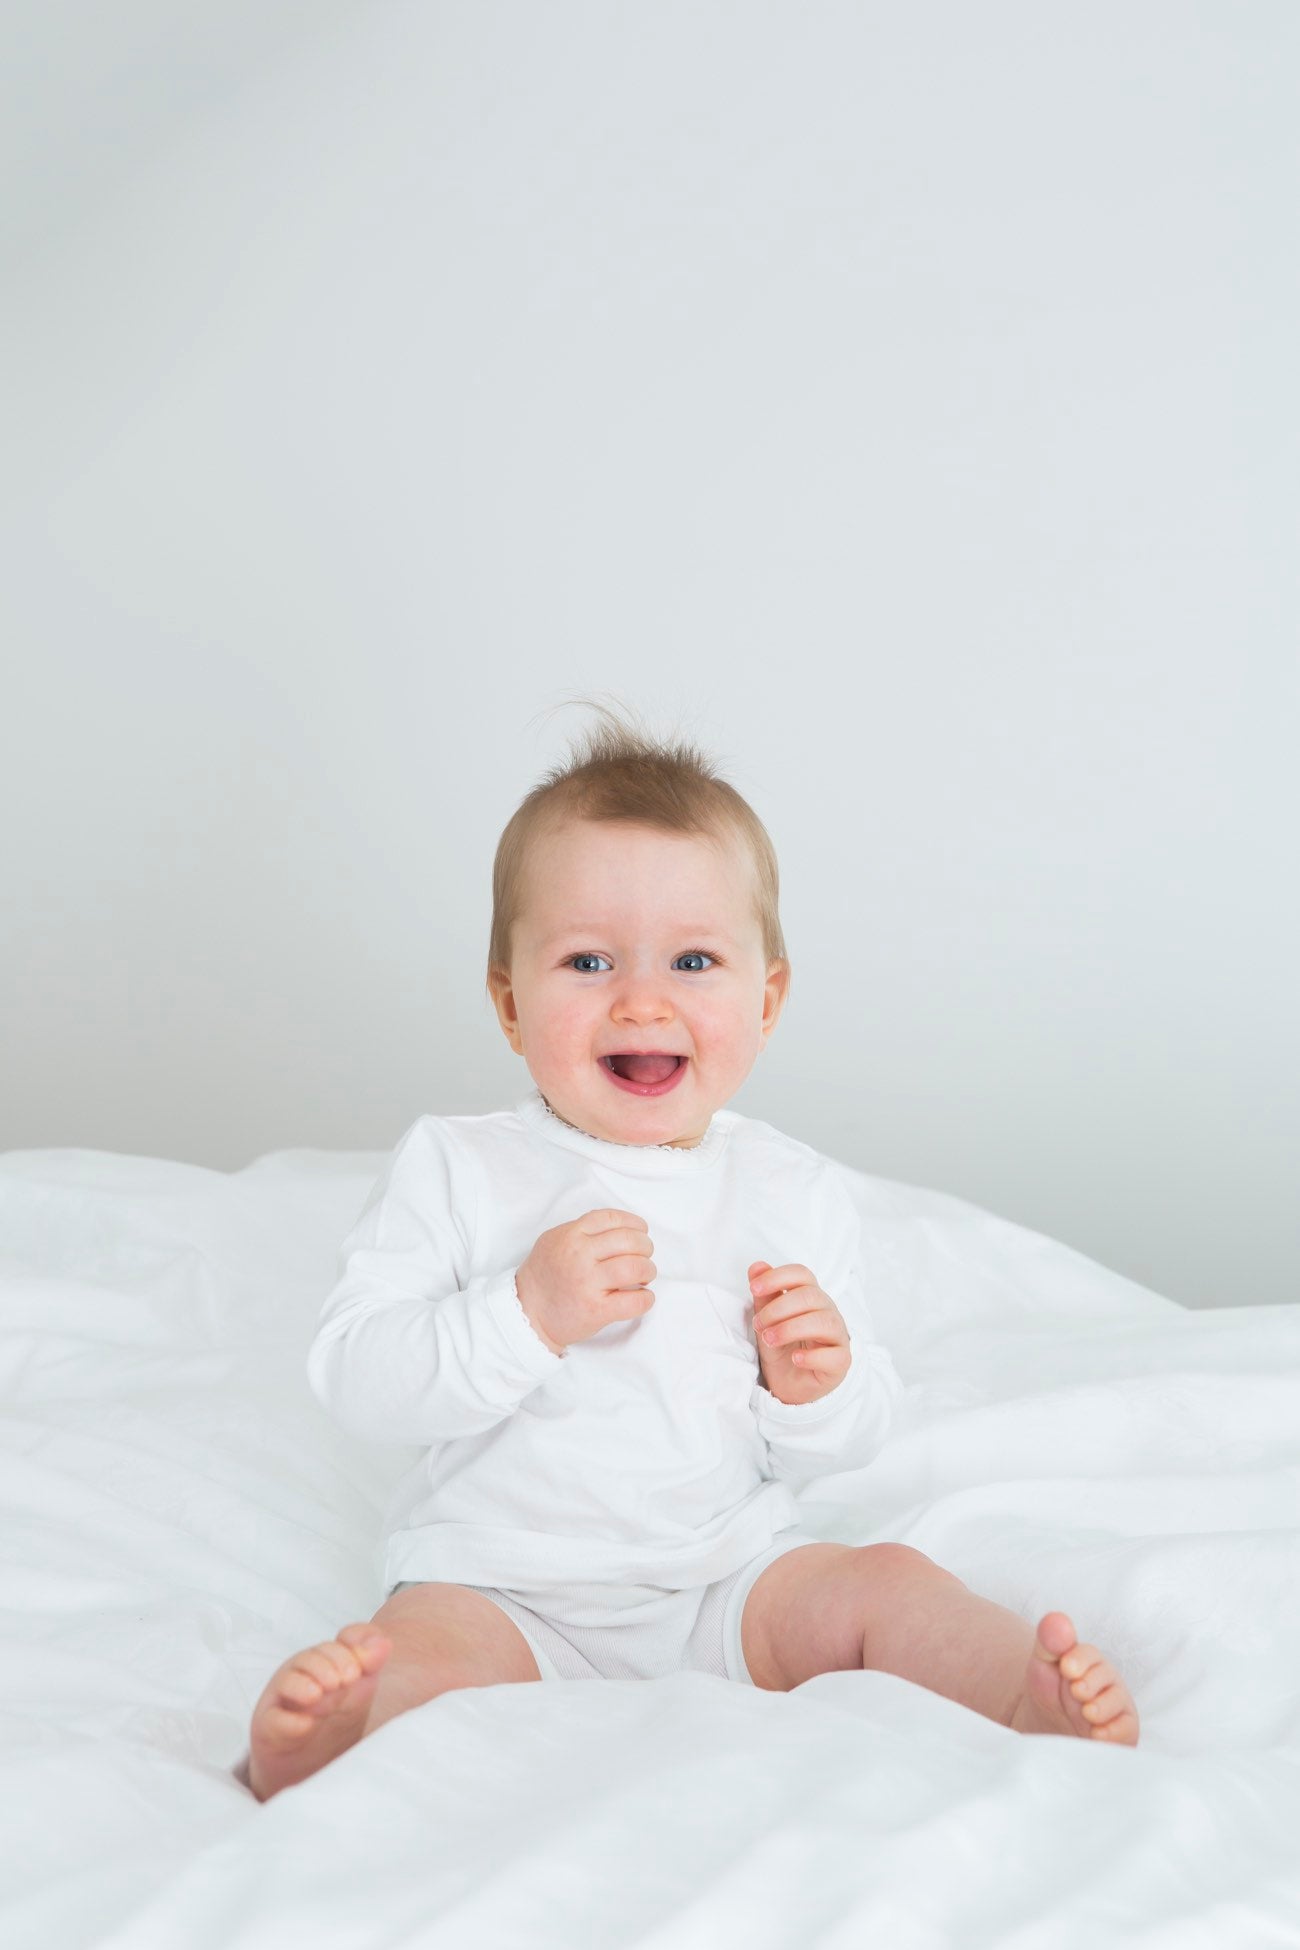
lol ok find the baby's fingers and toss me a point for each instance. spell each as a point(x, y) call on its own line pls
point(820, 1326)
point(822, 1361)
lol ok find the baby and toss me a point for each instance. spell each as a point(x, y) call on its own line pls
point(584, 1311)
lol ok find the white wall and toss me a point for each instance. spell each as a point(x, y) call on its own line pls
point(898, 399)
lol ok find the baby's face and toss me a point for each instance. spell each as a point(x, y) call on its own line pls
point(631, 940)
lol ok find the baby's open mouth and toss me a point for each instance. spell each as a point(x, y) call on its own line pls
point(642, 1069)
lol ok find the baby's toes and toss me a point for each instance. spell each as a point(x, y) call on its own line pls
point(1122, 1731)
point(1096, 1675)
point(1103, 1701)
point(319, 1675)
point(298, 1688)
point(313, 1708)
point(1112, 1699)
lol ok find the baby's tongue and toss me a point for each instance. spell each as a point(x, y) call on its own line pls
point(644, 1069)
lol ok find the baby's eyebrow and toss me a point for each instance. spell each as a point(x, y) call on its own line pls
point(598, 927)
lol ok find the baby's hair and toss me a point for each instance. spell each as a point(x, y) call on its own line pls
point(621, 772)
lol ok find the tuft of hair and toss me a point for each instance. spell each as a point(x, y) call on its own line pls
point(617, 771)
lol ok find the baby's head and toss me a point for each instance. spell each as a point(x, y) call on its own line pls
point(635, 910)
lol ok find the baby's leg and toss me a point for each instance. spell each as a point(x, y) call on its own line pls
point(925, 1625)
point(890, 1608)
point(426, 1640)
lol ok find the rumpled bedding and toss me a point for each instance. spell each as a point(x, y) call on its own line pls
point(179, 1515)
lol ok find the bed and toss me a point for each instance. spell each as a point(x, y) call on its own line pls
point(179, 1515)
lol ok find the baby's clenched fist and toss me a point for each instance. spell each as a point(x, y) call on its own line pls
point(580, 1276)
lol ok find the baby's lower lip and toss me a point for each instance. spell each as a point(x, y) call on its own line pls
point(647, 1089)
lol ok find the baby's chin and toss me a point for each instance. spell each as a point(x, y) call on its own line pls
point(621, 1113)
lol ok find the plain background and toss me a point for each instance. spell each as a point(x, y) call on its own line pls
point(898, 401)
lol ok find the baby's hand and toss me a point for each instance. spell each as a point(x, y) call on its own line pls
point(580, 1276)
point(803, 1343)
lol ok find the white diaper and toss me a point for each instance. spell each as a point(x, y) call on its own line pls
point(585, 1631)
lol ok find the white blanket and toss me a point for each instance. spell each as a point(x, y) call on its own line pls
point(179, 1515)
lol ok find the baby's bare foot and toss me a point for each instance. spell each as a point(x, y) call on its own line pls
point(1070, 1688)
point(314, 1708)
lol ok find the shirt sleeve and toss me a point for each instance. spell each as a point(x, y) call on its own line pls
point(846, 1428)
point(407, 1349)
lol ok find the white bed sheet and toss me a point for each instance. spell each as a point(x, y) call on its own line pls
point(179, 1515)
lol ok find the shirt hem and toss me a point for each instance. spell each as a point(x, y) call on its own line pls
point(452, 1553)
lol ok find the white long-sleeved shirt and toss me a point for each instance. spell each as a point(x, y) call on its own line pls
point(650, 1453)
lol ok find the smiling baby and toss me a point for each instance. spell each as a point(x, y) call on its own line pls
point(626, 1324)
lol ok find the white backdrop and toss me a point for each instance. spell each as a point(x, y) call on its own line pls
point(899, 400)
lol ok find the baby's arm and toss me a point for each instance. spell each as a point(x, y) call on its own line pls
point(846, 1426)
point(404, 1351)
point(842, 1430)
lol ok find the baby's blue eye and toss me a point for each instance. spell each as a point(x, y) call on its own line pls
point(696, 954)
